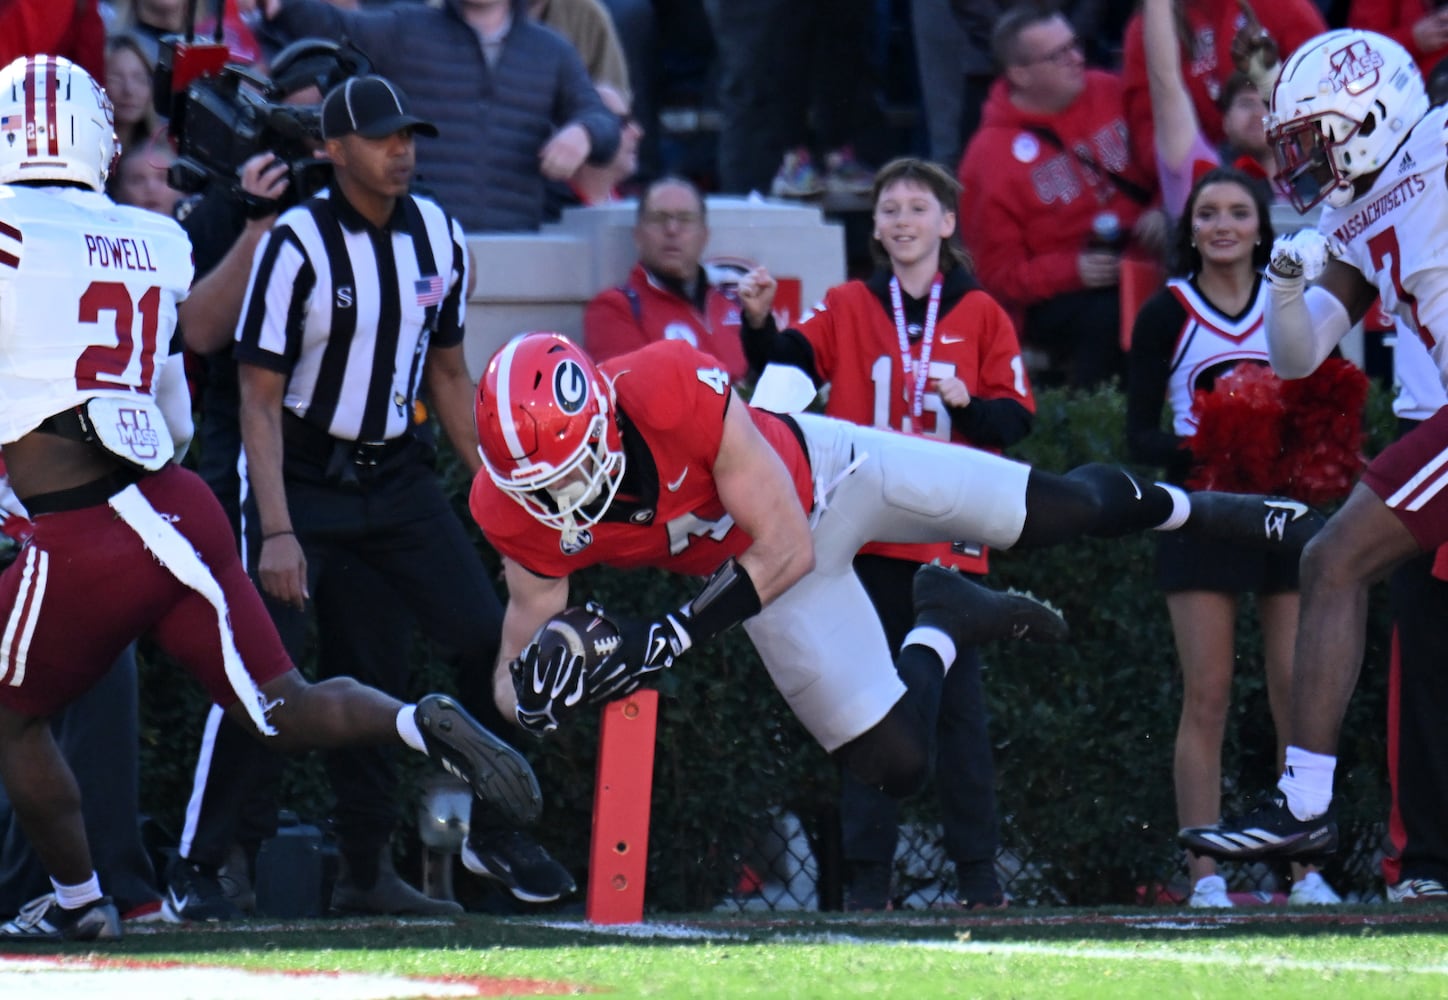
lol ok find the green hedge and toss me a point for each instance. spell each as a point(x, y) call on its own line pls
point(1084, 731)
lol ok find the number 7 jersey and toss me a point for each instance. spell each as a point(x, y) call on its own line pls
point(1397, 234)
point(88, 294)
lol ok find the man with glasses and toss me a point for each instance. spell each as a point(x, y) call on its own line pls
point(1052, 197)
point(668, 295)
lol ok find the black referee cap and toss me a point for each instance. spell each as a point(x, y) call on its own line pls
point(369, 106)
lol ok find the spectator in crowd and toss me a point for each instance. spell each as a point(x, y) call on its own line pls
point(587, 24)
point(1052, 198)
point(1382, 138)
point(334, 465)
point(1420, 26)
point(70, 28)
point(918, 348)
point(591, 185)
point(1201, 326)
point(120, 518)
point(637, 25)
point(1182, 148)
point(1207, 31)
point(140, 178)
point(782, 63)
point(513, 101)
point(668, 295)
point(952, 53)
point(98, 735)
point(128, 80)
point(1415, 865)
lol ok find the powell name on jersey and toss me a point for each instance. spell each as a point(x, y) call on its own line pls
point(88, 293)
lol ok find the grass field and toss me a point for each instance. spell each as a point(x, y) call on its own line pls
point(1370, 952)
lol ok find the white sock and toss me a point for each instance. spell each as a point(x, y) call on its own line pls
point(1181, 508)
point(933, 639)
point(1307, 782)
point(407, 728)
point(73, 897)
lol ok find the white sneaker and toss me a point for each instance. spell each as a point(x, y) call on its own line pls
point(1210, 893)
point(1312, 890)
point(1418, 890)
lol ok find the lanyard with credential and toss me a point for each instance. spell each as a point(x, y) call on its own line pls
point(927, 338)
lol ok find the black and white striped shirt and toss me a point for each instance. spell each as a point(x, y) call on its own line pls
point(347, 310)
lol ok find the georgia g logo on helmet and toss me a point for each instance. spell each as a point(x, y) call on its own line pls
point(570, 386)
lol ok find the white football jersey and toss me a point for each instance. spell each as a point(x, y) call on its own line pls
point(1210, 344)
point(88, 293)
point(1397, 235)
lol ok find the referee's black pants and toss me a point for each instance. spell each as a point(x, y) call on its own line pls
point(384, 551)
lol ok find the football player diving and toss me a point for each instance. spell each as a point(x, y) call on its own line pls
point(651, 459)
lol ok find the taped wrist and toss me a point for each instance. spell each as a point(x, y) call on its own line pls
point(727, 599)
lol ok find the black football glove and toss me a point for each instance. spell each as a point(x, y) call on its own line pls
point(546, 690)
point(645, 647)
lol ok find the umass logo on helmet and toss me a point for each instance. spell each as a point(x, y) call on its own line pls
point(570, 386)
point(1355, 67)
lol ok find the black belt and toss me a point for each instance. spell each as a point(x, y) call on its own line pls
point(90, 494)
point(71, 424)
point(311, 452)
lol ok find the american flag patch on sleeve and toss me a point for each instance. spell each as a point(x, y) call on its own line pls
point(429, 290)
point(11, 123)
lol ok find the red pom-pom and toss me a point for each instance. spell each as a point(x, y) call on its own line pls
point(1259, 434)
point(1238, 442)
point(1323, 437)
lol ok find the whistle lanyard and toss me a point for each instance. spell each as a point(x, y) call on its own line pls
point(921, 368)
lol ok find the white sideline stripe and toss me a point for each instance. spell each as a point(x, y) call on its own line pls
point(1133, 952)
point(61, 979)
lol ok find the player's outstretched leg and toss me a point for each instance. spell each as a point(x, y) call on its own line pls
point(1269, 831)
point(972, 614)
point(1277, 523)
point(498, 774)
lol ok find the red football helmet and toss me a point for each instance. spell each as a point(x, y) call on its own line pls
point(546, 431)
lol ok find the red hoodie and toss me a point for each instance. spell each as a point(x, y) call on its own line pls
point(1395, 18)
point(1028, 204)
point(1211, 24)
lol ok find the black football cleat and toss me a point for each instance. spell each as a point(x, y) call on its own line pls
point(44, 919)
point(972, 614)
point(1275, 523)
point(498, 774)
point(518, 861)
point(1269, 831)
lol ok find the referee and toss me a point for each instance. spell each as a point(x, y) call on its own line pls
point(355, 305)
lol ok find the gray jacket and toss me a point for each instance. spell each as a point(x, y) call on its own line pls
point(483, 167)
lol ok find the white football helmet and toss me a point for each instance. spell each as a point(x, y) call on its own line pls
point(56, 124)
point(1342, 106)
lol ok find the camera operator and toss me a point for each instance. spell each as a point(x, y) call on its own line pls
point(233, 807)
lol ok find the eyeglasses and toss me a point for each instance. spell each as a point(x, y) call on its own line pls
point(1060, 55)
point(662, 220)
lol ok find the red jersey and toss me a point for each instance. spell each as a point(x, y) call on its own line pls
point(671, 403)
point(644, 310)
point(1028, 202)
point(1207, 66)
point(857, 350)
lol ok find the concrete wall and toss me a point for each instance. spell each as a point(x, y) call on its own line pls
point(542, 281)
